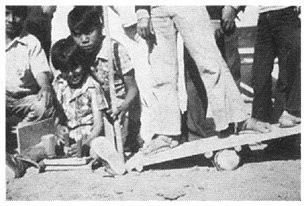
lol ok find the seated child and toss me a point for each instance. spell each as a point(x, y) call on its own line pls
point(83, 103)
point(86, 24)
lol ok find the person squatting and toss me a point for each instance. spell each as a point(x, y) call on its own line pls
point(74, 86)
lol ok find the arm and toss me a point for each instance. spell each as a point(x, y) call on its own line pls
point(41, 71)
point(46, 92)
point(132, 92)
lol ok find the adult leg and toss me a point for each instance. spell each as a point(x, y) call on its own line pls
point(232, 56)
point(196, 122)
point(288, 90)
point(193, 24)
point(31, 110)
point(163, 59)
point(264, 55)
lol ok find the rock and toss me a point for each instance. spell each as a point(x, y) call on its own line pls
point(171, 195)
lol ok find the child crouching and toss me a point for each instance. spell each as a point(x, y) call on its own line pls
point(83, 103)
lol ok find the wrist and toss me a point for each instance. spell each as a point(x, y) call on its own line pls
point(46, 87)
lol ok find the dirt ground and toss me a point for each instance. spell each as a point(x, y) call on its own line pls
point(270, 174)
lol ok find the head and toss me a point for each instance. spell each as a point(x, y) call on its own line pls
point(70, 61)
point(14, 20)
point(85, 24)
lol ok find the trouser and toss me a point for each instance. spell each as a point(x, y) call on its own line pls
point(22, 111)
point(28, 109)
point(193, 24)
point(278, 35)
point(231, 55)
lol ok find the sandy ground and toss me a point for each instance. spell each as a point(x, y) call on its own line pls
point(271, 174)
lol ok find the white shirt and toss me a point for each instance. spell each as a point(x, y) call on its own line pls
point(25, 59)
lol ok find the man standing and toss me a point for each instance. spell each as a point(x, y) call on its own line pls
point(278, 35)
point(193, 23)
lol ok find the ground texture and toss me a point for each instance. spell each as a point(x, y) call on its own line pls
point(270, 174)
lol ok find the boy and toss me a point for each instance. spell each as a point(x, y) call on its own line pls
point(29, 94)
point(83, 102)
point(86, 24)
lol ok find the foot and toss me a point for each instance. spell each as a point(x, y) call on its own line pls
point(160, 143)
point(256, 125)
point(102, 148)
point(288, 120)
point(15, 168)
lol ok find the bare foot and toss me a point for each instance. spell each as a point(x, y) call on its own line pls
point(256, 125)
point(288, 120)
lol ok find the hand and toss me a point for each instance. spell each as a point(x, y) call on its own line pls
point(228, 18)
point(46, 94)
point(219, 33)
point(117, 114)
point(145, 28)
point(73, 150)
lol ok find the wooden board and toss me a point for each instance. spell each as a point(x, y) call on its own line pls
point(213, 144)
point(71, 161)
point(67, 168)
point(30, 134)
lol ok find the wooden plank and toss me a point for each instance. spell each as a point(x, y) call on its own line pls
point(30, 134)
point(67, 168)
point(214, 143)
point(72, 161)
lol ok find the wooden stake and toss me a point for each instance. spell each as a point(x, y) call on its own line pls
point(114, 102)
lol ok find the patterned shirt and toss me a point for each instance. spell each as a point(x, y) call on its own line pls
point(77, 105)
point(122, 65)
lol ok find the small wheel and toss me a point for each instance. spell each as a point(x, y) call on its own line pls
point(238, 148)
point(227, 159)
point(139, 168)
point(209, 155)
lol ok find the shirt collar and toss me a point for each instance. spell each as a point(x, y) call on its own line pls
point(78, 92)
point(104, 51)
point(17, 40)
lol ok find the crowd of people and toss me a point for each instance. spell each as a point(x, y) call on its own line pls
point(70, 81)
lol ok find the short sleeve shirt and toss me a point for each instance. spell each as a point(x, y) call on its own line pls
point(77, 105)
point(25, 59)
point(122, 65)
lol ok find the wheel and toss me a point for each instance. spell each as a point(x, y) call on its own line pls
point(227, 159)
point(139, 168)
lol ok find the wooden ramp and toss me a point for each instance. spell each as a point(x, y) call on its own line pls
point(214, 144)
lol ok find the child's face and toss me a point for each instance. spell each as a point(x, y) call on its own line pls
point(13, 23)
point(74, 77)
point(89, 41)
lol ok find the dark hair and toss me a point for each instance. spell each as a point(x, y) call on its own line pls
point(65, 55)
point(20, 11)
point(83, 18)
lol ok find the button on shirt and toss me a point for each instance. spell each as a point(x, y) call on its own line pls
point(25, 59)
